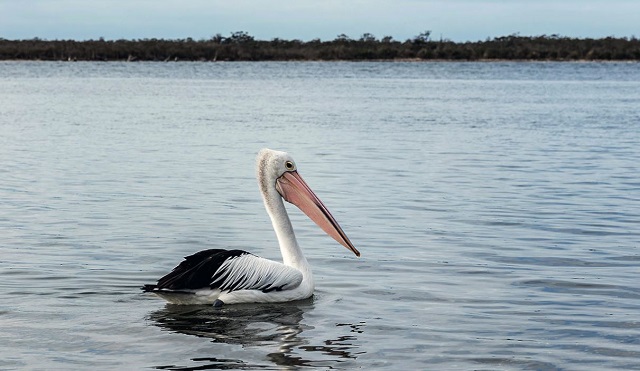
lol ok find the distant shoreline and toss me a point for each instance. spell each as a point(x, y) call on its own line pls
point(242, 47)
point(586, 61)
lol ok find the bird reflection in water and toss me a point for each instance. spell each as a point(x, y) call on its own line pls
point(259, 326)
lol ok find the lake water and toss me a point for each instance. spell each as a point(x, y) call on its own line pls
point(496, 207)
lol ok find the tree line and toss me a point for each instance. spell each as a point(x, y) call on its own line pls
point(240, 46)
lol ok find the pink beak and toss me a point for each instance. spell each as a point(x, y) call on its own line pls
point(295, 190)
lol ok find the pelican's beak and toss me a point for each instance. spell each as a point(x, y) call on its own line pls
point(294, 189)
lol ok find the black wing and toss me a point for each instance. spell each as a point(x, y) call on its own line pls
point(228, 270)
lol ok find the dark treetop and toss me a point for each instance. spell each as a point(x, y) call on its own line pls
point(240, 46)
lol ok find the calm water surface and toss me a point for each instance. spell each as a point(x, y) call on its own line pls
point(496, 206)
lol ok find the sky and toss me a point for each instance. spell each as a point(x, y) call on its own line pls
point(457, 20)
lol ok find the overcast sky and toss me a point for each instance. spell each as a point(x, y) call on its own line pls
point(458, 20)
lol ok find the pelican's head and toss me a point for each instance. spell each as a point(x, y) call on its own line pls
point(272, 164)
point(278, 171)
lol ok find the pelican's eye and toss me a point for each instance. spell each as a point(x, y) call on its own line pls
point(289, 165)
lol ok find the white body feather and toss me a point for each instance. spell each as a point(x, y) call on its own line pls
point(249, 276)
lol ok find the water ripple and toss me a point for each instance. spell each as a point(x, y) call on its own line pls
point(495, 205)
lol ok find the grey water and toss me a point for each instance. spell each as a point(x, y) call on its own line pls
point(496, 207)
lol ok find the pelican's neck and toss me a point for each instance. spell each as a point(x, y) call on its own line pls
point(289, 248)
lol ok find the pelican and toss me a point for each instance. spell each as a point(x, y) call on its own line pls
point(218, 277)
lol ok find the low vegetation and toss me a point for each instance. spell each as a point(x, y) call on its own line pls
point(240, 46)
